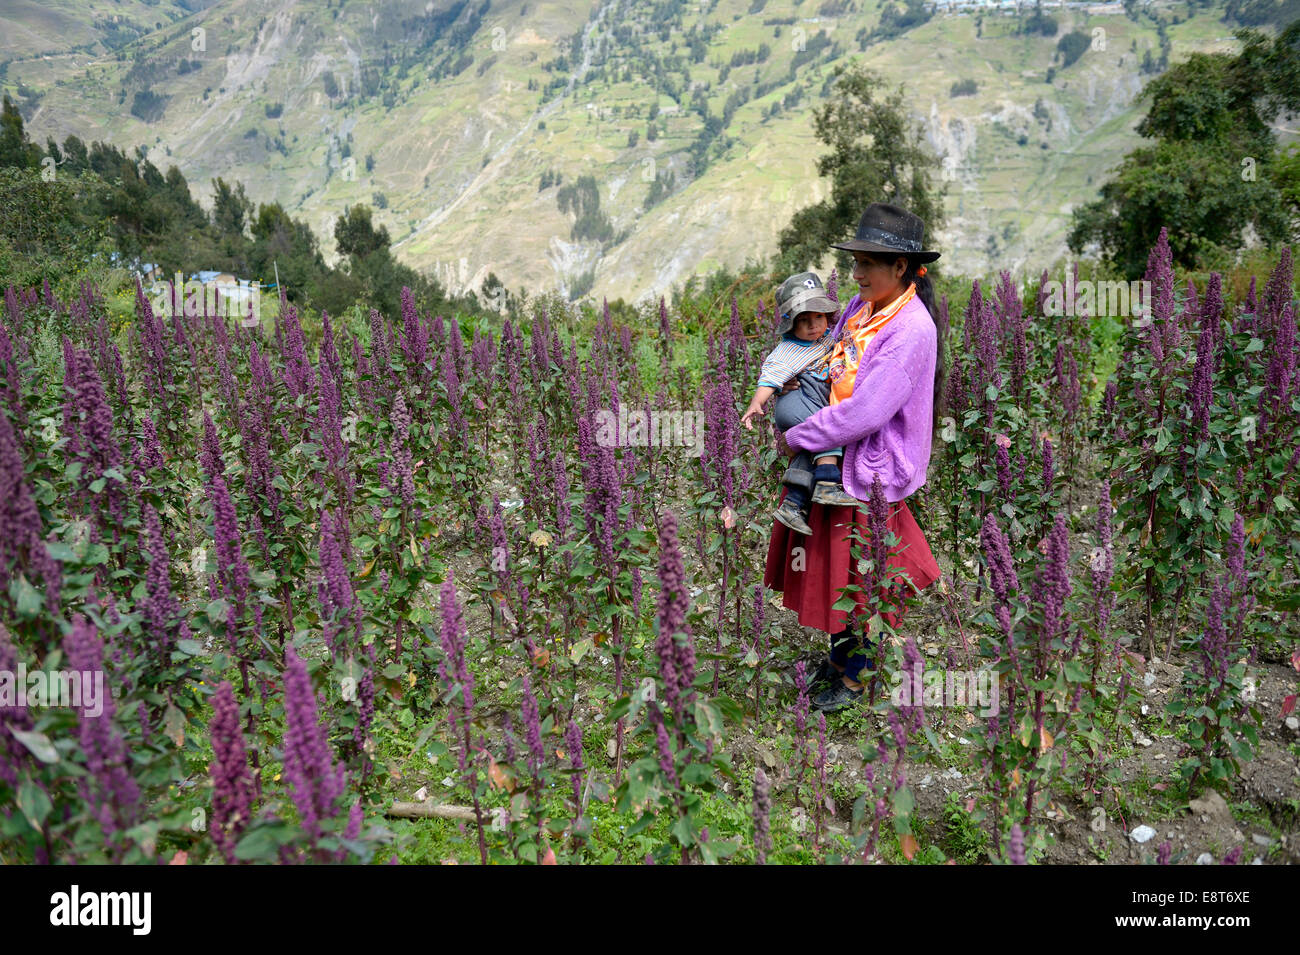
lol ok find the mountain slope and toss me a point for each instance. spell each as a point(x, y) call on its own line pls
point(445, 117)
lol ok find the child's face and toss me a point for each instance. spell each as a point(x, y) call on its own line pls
point(810, 326)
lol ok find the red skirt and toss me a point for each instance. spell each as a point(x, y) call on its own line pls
point(813, 580)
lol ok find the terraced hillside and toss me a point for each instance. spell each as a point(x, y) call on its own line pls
point(601, 146)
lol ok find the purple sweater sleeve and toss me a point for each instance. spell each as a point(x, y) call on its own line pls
point(882, 386)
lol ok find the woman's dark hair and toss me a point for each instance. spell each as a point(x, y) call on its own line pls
point(925, 292)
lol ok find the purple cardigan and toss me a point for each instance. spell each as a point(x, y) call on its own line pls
point(886, 425)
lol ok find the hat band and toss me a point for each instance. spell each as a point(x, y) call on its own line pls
point(888, 238)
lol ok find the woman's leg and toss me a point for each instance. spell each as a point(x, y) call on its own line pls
point(851, 655)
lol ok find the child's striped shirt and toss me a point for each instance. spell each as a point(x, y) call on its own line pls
point(792, 356)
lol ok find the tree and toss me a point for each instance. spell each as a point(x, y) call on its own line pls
point(891, 162)
point(15, 150)
point(230, 207)
point(1210, 171)
point(356, 236)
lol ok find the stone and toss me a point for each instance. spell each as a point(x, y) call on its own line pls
point(1211, 804)
point(1260, 840)
point(1142, 834)
point(1205, 859)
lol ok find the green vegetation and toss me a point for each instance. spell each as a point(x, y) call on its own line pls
point(895, 163)
point(72, 208)
point(1211, 171)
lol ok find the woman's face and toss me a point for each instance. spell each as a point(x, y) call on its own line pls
point(879, 278)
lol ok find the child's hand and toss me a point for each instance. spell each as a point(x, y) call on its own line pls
point(750, 413)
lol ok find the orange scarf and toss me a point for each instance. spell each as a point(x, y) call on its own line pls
point(859, 329)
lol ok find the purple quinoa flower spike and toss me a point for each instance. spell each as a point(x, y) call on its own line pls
point(533, 730)
point(232, 567)
point(164, 621)
point(453, 669)
point(233, 789)
point(1016, 845)
point(666, 761)
point(675, 632)
point(1049, 469)
point(762, 815)
point(109, 787)
point(401, 452)
point(316, 782)
point(339, 610)
point(573, 741)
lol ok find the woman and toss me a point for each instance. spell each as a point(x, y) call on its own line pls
point(885, 380)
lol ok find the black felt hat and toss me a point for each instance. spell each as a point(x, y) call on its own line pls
point(890, 230)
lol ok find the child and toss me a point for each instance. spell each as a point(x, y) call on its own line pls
point(805, 312)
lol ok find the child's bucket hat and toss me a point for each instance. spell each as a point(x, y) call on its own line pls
point(802, 293)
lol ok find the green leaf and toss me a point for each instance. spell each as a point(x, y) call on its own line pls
point(1282, 503)
point(642, 824)
point(174, 725)
point(27, 597)
point(216, 609)
point(38, 743)
point(696, 773)
point(264, 842)
point(844, 603)
point(33, 803)
point(1256, 344)
point(716, 849)
point(61, 551)
point(581, 649)
point(1158, 477)
point(191, 648)
point(97, 485)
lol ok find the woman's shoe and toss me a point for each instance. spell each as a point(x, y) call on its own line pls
point(838, 697)
point(833, 495)
point(825, 674)
point(790, 516)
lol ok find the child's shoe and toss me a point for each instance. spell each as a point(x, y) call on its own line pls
point(833, 494)
point(828, 490)
point(790, 514)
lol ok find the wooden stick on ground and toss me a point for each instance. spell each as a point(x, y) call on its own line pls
point(429, 810)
